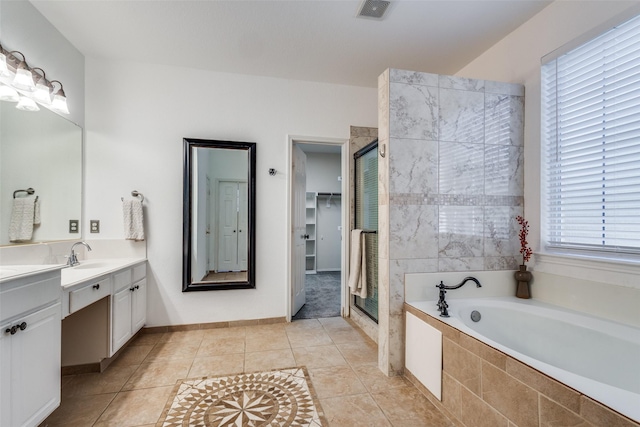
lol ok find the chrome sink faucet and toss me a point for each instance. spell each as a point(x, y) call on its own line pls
point(73, 259)
point(442, 304)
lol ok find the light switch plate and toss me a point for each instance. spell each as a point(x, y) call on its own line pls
point(94, 226)
point(74, 226)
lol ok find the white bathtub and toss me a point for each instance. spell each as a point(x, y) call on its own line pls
point(599, 358)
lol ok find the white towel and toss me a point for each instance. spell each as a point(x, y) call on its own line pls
point(36, 213)
point(22, 219)
point(358, 264)
point(133, 220)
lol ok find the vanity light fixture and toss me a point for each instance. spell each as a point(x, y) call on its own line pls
point(24, 77)
point(43, 91)
point(8, 94)
point(4, 70)
point(28, 86)
point(59, 102)
point(27, 104)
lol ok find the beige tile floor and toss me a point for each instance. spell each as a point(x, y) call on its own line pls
point(341, 362)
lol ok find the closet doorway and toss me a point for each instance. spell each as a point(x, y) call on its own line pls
point(318, 212)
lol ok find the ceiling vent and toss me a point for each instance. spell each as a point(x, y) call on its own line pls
point(373, 9)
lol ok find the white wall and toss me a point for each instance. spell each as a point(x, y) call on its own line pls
point(323, 170)
point(137, 115)
point(328, 233)
point(516, 59)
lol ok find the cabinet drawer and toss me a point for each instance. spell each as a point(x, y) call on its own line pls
point(29, 293)
point(121, 279)
point(89, 294)
point(139, 272)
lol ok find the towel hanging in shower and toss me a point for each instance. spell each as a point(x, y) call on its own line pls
point(358, 264)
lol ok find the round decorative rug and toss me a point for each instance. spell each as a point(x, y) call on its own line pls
point(282, 397)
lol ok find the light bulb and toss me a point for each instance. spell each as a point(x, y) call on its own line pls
point(8, 94)
point(27, 104)
point(42, 93)
point(59, 103)
point(24, 79)
point(4, 70)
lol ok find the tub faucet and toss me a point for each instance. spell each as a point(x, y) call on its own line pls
point(442, 304)
point(73, 259)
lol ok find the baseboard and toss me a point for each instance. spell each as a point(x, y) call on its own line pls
point(213, 325)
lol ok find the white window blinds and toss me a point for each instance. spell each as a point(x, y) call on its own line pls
point(591, 134)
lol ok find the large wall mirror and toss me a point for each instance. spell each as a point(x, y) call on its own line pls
point(219, 215)
point(39, 150)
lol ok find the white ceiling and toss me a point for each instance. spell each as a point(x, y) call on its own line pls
point(303, 40)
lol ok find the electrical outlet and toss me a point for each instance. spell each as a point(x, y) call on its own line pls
point(74, 226)
point(94, 226)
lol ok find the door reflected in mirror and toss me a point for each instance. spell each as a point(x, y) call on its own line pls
point(219, 215)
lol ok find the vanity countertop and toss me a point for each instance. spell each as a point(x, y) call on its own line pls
point(71, 276)
point(93, 268)
point(10, 272)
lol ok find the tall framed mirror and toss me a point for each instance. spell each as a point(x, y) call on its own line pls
point(219, 215)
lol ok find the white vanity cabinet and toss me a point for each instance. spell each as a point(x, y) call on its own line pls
point(30, 342)
point(128, 305)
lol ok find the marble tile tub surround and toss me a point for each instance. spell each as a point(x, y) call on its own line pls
point(482, 386)
point(56, 252)
point(449, 188)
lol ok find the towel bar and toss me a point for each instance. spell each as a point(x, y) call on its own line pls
point(28, 191)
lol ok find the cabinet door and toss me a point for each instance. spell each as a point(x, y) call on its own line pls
point(30, 368)
point(120, 319)
point(138, 305)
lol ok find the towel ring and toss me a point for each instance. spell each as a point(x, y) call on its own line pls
point(135, 193)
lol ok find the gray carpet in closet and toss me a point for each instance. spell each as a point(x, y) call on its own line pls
point(323, 296)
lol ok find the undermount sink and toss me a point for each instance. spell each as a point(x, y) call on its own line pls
point(92, 268)
point(91, 264)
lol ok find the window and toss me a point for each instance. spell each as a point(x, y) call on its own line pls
point(591, 138)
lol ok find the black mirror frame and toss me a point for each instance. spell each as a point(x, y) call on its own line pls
point(250, 283)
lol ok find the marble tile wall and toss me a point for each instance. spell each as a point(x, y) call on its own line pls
point(450, 185)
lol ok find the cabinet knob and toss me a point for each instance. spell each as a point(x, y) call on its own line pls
point(96, 286)
point(132, 289)
point(137, 286)
point(12, 330)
